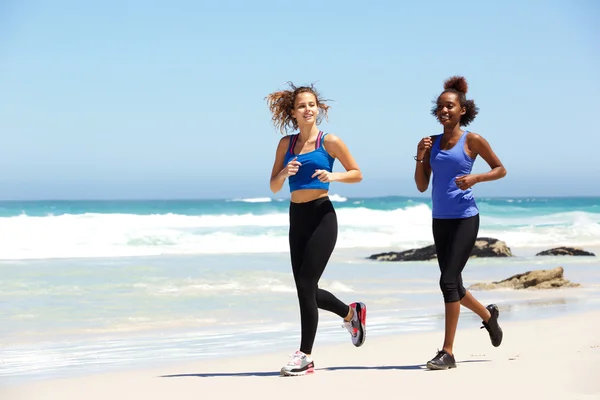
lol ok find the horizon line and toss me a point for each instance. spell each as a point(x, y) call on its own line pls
point(284, 198)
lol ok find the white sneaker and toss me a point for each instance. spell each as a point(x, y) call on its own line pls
point(299, 364)
point(357, 326)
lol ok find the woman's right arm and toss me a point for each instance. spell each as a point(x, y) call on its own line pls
point(280, 172)
point(423, 168)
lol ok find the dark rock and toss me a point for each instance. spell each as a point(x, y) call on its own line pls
point(484, 247)
point(422, 254)
point(537, 279)
point(565, 251)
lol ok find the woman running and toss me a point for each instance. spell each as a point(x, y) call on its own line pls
point(306, 160)
point(450, 157)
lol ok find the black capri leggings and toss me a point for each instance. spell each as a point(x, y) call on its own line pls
point(313, 234)
point(454, 240)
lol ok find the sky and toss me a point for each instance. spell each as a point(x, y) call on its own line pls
point(119, 99)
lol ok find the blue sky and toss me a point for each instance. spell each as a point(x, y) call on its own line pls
point(147, 99)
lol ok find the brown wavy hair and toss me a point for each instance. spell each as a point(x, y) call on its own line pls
point(282, 104)
point(458, 85)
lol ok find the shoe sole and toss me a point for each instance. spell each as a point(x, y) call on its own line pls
point(498, 343)
point(434, 367)
point(495, 307)
point(309, 370)
point(361, 309)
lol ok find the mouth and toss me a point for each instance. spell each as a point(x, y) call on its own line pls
point(444, 118)
point(308, 116)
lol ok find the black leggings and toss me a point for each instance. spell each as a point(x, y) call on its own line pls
point(454, 240)
point(313, 234)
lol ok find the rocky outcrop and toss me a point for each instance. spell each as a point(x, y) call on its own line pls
point(537, 279)
point(565, 251)
point(484, 247)
point(490, 247)
point(422, 254)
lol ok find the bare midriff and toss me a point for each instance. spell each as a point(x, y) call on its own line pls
point(306, 195)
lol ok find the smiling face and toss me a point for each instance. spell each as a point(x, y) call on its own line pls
point(449, 110)
point(306, 109)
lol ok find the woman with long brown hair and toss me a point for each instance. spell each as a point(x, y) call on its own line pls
point(306, 160)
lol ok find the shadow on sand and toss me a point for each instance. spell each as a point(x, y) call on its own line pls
point(346, 368)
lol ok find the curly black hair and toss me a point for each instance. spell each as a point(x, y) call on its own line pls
point(458, 85)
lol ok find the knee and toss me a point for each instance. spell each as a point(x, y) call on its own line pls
point(461, 291)
point(306, 289)
point(450, 289)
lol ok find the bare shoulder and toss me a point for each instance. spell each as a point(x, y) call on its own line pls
point(333, 142)
point(334, 145)
point(331, 138)
point(474, 137)
point(284, 141)
point(477, 143)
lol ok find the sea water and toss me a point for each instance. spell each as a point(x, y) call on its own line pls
point(88, 286)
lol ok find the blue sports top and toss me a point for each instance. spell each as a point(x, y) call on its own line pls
point(448, 201)
point(319, 158)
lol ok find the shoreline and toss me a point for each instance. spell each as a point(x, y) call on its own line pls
point(534, 359)
point(540, 310)
point(358, 253)
point(412, 310)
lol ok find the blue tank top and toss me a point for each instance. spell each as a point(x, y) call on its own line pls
point(448, 201)
point(319, 158)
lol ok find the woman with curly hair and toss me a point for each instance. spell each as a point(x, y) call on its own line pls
point(306, 160)
point(450, 157)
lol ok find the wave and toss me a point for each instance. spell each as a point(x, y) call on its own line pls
point(117, 235)
point(333, 197)
point(255, 200)
point(338, 198)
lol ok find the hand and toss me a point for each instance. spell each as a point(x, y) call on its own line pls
point(291, 168)
point(323, 175)
point(424, 145)
point(465, 182)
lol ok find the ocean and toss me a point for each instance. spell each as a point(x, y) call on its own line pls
point(89, 286)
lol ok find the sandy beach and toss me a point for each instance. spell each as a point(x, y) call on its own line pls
point(557, 358)
point(154, 244)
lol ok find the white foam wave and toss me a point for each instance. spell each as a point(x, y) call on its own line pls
point(338, 287)
point(255, 200)
point(333, 197)
point(576, 218)
point(115, 235)
point(337, 197)
point(215, 288)
point(561, 229)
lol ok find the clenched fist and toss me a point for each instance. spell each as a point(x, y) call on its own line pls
point(424, 145)
point(291, 168)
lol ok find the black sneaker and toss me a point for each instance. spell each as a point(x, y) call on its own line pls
point(442, 360)
point(492, 326)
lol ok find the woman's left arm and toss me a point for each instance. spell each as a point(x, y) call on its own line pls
point(479, 146)
point(338, 149)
